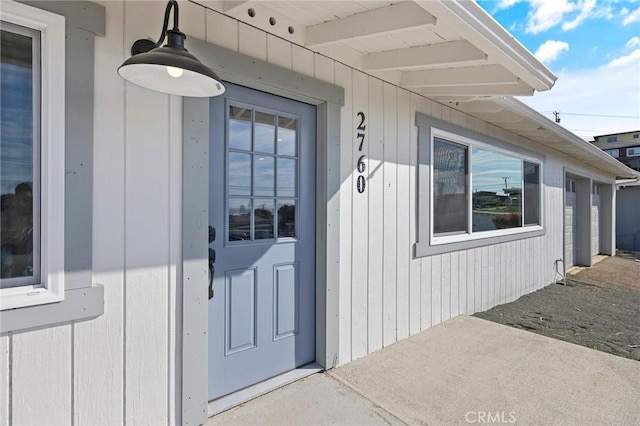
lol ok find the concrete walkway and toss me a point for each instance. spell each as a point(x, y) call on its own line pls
point(464, 371)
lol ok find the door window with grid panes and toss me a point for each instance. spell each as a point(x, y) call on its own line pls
point(262, 174)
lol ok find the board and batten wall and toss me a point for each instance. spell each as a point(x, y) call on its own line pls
point(121, 367)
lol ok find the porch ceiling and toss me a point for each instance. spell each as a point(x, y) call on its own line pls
point(433, 47)
point(451, 51)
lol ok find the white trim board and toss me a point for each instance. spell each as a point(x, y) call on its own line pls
point(232, 400)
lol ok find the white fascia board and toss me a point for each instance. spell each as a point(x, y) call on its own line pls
point(627, 182)
point(614, 165)
point(477, 26)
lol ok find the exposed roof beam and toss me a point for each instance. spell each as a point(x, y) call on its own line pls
point(504, 116)
point(480, 107)
point(469, 76)
point(440, 55)
point(519, 89)
point(231, 6)
point(384, 20)
point(483, 31)
point(521, 126)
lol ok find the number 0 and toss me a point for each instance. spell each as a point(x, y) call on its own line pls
point(360, 184)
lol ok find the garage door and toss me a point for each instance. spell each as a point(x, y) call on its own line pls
point(570, 224)
point(595, 220)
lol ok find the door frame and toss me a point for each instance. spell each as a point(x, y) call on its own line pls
point(192, 345)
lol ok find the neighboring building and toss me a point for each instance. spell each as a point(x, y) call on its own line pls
point(625, 147)
point(627, 223)
point(333, 181)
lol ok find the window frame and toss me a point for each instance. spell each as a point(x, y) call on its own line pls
point(613, 152)
point(469, 235)
point(426, 245)
point(51, 287)
point(633, 152)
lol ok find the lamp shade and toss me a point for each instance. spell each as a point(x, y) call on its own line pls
point(172, 69)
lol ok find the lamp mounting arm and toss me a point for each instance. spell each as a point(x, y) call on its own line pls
point(171, 4)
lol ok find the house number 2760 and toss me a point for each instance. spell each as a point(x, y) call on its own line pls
point(361, 166)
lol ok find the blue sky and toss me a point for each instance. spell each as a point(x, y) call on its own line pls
point(593, 46)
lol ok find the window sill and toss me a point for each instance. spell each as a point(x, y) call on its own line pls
point(425, 249)
point(78, 304)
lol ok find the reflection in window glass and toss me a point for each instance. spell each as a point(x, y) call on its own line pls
point(287, 136)
point(19, 228)
point(286, 218)
point(239, 174)
point(239, 128)
point(264, 175)
point(497, 190)
point(264, 219)
point(239, 219)
point(450, 192)
point(286, 177)
point(531, 193)
point(265, 132)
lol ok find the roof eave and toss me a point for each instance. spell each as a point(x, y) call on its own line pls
point(616, 167)
point(486, 30)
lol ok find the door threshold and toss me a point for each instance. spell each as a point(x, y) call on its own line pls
point(227, 402)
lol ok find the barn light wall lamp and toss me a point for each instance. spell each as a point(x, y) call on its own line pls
point(171, 68)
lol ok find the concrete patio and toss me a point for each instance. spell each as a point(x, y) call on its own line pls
point(464, 371)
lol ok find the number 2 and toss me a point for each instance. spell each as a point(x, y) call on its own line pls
point(361, 126)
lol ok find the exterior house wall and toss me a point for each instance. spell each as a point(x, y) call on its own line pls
point(627, 223)
point(122, 367)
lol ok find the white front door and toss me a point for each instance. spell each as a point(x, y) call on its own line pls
point(262, 207)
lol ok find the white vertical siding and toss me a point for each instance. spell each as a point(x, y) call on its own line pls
point(122, 367)
point(360, 223)
point(403, 254)
point(375, 189)
point(389, 214)
point(343, 79)
point(5, 396)
point(99, 361)
point(41, 376)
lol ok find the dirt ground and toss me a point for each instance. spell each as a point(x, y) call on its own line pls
point(598, 308)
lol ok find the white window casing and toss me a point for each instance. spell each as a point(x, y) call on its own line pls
point(633, 152)
point(52, 156)
point(430, 243)
point(470, 235)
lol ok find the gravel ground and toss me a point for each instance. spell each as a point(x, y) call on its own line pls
point(598, 308)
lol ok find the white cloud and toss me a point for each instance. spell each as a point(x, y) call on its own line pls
point(609, 90)
point(623, 61)
point(631, 17)
point(546, 14)
point(633, 42)
point(586, 11)
point(550, 50)
point(506, 4)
